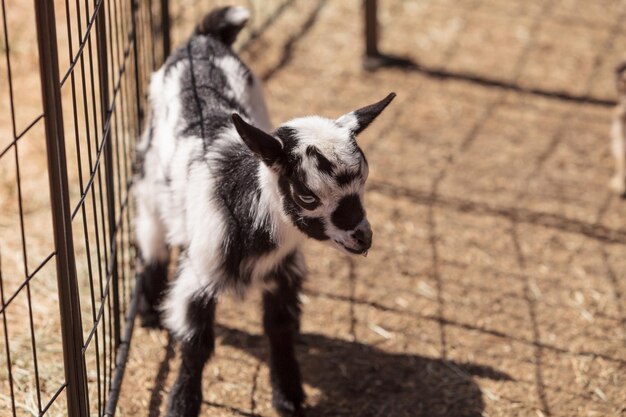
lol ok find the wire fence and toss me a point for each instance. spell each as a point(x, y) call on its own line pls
point(72, 113)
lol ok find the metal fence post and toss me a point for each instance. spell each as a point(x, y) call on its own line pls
point(107, 120)
point(371, 28)
point(69, 301)
point(138, 109)
point(165, 28)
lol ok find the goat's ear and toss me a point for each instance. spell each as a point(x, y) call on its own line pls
point(264, 145)
point(359, 119)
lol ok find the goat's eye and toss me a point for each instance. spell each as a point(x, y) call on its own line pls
point(308, 199)
point(304, 198)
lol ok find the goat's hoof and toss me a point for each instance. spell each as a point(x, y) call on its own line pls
point(285, 407)
point(184, 400)
point(288, 412)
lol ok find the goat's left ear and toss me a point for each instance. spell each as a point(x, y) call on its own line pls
point(359, 119)
point(264, 145)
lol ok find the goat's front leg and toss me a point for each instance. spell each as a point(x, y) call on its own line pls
point(281, 322)
point(190, 317)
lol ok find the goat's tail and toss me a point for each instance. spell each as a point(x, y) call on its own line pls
point(224, 23)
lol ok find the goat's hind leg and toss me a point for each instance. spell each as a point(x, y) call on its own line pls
point(154, 257)
point(281, 322)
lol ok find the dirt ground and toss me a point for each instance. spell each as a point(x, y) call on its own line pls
point(497, 281)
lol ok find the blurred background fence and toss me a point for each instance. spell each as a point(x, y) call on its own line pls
point(73, 84)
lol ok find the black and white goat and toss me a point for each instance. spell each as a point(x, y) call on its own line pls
point(238, 201)
point(618, 133)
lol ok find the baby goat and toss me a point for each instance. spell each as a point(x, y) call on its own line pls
point(238, 201)
point(618, 133)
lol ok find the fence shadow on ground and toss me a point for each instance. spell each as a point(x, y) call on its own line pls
point(359, 379)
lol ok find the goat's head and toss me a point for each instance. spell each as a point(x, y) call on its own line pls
point(321, 173)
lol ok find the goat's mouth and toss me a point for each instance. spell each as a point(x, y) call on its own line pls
point(351, 250)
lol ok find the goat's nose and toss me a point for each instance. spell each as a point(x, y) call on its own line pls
point(363, 237)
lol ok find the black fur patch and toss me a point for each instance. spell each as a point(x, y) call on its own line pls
point(152, 287)
point(265, 146)
point(281, 322)
point(349, 213)
point(203, 91)
point(323, 164)
point(312, 227)
point(289, 137)
point(285, 309)
point(239, 190)
point(186, 394)
point(347, 177)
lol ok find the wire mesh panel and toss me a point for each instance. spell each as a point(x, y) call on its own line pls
point(30, 320)
point(65, 176)
point(73, 86)
point(66, 258)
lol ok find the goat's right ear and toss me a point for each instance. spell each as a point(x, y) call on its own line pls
point(358, 120)
point(265, 146)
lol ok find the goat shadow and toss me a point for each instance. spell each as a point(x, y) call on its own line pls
point(360, 380)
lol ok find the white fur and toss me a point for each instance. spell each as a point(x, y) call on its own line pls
point(258, 107)
point(250, 95)
point(348, 121)
point(235, 73)
point(186, 286)
point(326, 136)
point(237, 15)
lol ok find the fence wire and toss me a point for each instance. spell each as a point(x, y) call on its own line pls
point(71, 114)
